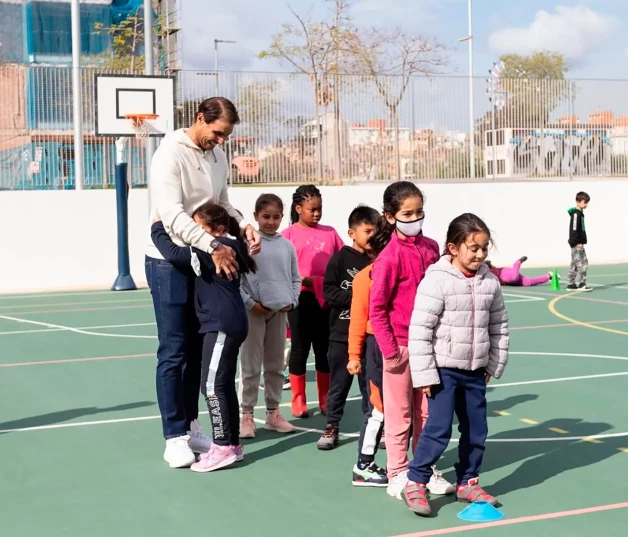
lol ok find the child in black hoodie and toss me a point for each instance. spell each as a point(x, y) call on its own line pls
point(337, 292)
point(577, 241)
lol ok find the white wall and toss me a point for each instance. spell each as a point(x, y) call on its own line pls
point(67, 240)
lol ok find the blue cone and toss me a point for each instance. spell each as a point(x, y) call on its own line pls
point(480, 512)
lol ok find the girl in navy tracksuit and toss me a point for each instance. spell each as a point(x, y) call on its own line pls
point(224, 323)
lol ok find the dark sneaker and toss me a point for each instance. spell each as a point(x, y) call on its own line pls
point(471, 492)
point(415, 497)
point(523, 259)
point(329, 439)
point(584, 288)
point(369, 476)
point(572, 287)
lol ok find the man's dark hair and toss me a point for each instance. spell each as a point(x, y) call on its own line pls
point(583, 196)
point(363, 214)
point(218, 108)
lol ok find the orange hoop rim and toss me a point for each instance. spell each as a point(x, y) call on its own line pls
point(140, 117)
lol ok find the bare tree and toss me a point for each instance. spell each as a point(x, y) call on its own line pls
point(390, 60)
point(306, 46)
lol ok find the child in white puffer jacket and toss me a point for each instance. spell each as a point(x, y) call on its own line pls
point(458, 340)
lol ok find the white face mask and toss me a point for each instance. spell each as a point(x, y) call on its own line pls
point(410, 229)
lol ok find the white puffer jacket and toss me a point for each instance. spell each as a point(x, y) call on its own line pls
point(457, 322)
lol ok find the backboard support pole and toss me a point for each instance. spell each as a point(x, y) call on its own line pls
point(124, 280)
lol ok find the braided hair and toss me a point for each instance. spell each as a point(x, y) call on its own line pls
point(301, 195)
point(394, 196)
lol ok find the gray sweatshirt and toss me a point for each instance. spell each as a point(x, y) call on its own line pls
point(277, 282)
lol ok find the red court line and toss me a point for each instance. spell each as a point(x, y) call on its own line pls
point(520, 520)
point(72, 360)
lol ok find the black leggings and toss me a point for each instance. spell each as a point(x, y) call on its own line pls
point(309, 327)
point(218, 375)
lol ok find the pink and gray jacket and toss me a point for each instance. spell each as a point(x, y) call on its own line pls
point(396, 274)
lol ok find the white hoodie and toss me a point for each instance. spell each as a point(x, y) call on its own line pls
point(183, 177)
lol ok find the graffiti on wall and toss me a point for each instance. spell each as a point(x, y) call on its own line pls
point(560, 152)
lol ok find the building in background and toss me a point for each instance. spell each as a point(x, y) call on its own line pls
point(36, 122)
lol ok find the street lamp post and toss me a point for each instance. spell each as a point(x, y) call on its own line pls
point(216, 41)
point(469, 40)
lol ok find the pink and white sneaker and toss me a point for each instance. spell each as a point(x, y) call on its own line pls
point(239, 451)
point(218, 457)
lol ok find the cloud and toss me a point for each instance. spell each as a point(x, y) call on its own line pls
point(575, 32)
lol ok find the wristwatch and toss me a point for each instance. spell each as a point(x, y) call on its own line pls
point(214, 244)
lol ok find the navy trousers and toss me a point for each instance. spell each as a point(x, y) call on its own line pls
point(463, 393)
point(179, 358)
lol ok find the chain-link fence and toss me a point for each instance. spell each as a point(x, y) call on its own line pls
point(345, 129)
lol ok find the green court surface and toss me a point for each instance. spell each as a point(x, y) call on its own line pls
point(80, 433)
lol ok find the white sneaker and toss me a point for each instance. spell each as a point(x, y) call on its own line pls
point(397, 484)
point(438, 485)
point(178, 453)
point(198, 442)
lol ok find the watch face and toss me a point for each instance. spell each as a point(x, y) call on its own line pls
point(214, 244)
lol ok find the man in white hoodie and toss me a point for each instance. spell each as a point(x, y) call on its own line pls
point(188, 169)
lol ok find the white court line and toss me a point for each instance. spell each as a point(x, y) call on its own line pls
point(81, 293)
point(262, 407)
point(492, 440)
point(25, 307)
point(523, 298)
point(75, 330)
point(45, 330)
point(625, 287)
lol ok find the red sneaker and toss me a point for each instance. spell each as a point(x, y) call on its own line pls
point(471, 492)
point(415, 496)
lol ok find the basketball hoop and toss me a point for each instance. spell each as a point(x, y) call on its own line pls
point(141, 123)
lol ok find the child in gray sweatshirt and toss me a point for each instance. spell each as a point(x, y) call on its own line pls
point(268, 295)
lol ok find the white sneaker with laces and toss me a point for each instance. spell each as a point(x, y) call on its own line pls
point(198, 442)
point(178, 453)
point(438, 485)
point(397, 484)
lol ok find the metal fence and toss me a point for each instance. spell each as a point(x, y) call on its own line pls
point(345, 129)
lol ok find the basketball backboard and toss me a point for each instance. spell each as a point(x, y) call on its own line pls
point(119, 95)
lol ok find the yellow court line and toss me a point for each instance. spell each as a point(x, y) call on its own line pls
point(623, 449)
point(592, 440)
point(557, 430)
point(502, 413)
point(529, 422)
point(552, 308)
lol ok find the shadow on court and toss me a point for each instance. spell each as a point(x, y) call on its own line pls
point(64, 416)
point(541, 460)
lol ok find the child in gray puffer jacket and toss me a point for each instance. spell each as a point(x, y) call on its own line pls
point(458, 340)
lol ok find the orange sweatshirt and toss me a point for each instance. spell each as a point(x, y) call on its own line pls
point(359, 325)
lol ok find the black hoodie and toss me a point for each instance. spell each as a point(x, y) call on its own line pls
point(577, 232)
point(338, 289)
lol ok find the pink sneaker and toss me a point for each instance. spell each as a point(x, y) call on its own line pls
point(239, 451)
point(247, 426)
point(276, 422)
point(218, 457)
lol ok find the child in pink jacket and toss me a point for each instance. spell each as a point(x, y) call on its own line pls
point(405, 256)
point(512, 275)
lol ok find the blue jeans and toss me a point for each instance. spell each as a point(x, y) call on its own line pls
point(179, 354)
point(462, 392)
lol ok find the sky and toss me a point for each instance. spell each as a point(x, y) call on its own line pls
point(591, 34)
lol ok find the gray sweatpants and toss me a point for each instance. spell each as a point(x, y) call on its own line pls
point(579, 266)
point(265, 345)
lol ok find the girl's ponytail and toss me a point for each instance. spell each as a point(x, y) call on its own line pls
point(383, 233)
point(249, 262)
